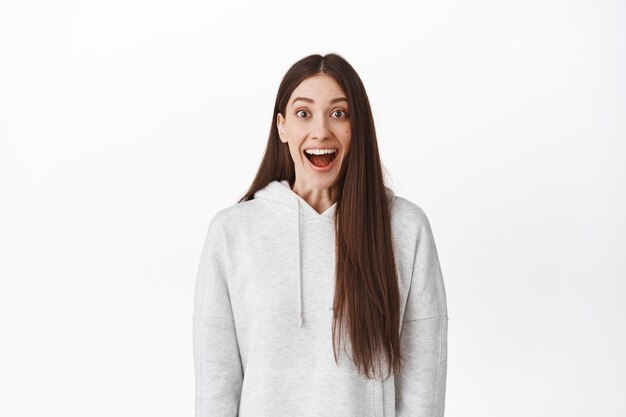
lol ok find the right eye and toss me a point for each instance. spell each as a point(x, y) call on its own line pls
point(301, 111)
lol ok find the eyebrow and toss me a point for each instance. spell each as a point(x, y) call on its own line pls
point(310, 100)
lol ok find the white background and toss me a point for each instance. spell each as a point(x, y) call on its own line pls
point(125, 125)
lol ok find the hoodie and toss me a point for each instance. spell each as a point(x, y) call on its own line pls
point(263, 311)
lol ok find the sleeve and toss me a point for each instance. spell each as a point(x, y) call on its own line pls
point(420, 386)
point(217, 363)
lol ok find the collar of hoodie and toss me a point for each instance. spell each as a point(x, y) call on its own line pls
point(286, 200)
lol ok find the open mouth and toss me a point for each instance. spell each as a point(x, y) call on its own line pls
point(323, 160)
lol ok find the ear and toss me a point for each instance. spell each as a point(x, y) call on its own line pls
point(280, 125)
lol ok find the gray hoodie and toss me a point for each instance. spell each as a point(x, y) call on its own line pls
point(262, 316)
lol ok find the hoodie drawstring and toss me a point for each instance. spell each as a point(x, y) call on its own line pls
point(300, 316)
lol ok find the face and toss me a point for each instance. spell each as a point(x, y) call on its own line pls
point(316, 117)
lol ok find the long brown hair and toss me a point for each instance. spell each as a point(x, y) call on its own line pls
point(366, 290)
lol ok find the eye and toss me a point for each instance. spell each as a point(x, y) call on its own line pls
point(300, 111)
point(344, 113)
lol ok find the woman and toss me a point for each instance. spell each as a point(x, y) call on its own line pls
point(319, 253)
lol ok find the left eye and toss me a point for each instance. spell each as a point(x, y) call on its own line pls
point(339, 111)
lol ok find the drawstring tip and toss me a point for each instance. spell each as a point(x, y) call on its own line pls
point(300, 322)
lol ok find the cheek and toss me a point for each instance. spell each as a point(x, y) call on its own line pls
point(346, 139)
point(296, 137)
point(295, 147)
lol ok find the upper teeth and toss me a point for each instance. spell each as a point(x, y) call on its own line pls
point(320, 151)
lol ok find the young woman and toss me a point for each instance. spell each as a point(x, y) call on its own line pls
point(319, 254)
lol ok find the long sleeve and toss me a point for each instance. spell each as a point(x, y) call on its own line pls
point(217, 362)
point(421, 383)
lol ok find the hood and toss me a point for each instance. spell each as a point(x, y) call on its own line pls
point(279, 194)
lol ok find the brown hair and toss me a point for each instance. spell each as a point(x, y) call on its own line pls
point(366, 290)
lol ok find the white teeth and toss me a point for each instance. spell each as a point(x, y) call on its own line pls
point(320, 151)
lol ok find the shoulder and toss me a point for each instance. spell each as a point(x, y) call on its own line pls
point(234, 216)
point(406, 213)
point(409, 222)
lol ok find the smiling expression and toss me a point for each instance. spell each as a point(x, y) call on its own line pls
point(316, 116)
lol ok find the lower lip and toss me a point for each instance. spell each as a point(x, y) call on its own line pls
point(322, 169)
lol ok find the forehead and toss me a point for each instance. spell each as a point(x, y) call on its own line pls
point(320, 87)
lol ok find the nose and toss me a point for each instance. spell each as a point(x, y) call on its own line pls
point(319, 129)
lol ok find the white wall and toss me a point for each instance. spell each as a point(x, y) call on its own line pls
point(125, 125)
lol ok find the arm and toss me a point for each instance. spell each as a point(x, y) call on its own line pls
point(421, 383)
point(217, 364)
